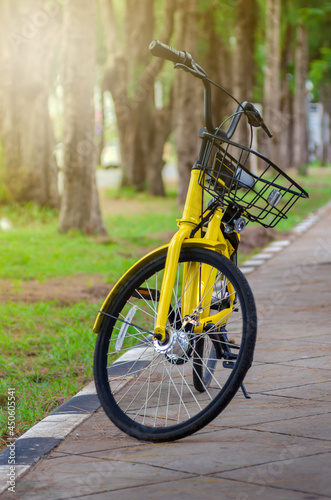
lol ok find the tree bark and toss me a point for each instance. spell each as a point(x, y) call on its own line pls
point(187, 98)
point(325, 97)
point(300, 149)
point(286, 102)
point(162, 122)
point(30, 35)
point(80, 202)
point(217, 63)
point(244, 66)
point(271, 112)
point(130, 77)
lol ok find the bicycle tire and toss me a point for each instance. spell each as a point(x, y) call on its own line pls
point(150, 395)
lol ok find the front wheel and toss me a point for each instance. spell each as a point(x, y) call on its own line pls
point(162, 392)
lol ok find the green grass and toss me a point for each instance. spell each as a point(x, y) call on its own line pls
point(46, 355)
point(318, 186)
point(34, 249)
point(47, 348)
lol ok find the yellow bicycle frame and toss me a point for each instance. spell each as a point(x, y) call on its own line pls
point(200, 284)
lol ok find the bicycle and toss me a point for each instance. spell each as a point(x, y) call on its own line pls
point(176, 334)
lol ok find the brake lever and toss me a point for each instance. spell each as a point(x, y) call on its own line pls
point(183, 67)
point(255, 119)
point(266, 130)
point(194, 69)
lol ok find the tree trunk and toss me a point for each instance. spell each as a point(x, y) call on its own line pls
point(217, 63)
point(162, 122)
point(300, 149)
point(80, 202)
point(187, 98)
point(130, 78)
point(286, 102)
point(271, 112)
point(30, 34)
point(244, 60)
point(325, 97)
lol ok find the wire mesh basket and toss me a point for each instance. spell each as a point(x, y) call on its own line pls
point(265, 197)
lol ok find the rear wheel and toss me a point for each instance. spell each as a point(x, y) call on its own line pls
point(163, 392)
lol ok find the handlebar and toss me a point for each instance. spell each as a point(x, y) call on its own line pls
point(159, 49)
point(184, 60)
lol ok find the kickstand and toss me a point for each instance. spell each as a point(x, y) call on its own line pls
point(243, 388)
point(230, 364)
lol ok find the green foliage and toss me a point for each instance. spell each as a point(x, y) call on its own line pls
point(320, 69)
point(316, 15)
point(317, 18)
point(308, 14)
point(224, 12)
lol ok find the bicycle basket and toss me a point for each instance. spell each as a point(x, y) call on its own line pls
point(265, 197)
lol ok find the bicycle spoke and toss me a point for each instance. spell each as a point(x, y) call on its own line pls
point(163, 385)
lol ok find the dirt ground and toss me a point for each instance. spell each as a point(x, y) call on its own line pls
point(65, 290)
point(92, 288)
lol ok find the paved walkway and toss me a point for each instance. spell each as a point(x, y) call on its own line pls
point(275, 446)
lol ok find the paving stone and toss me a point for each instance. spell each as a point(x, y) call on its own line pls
point(254, 262)
point(264, 408)
point(263, 255)
point(312, 426)
point(307, 392)
point(220, 450)
point(310, 474)
point(207, 489)
point(78, 475)
point(299, 350)
point(275, 376)
point(247, 270)
point(319, 360)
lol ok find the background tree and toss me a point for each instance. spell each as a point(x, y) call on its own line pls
point(80, 202)
point(317, 19)
point(187, 97)
point(300, 150)
point(262, 50)
point(271, 110)
point(30, 34)
point(289, 19)
point(215, 52)
point(247, 13)
point(130, 76)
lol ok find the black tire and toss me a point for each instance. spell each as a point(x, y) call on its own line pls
point(157, 393)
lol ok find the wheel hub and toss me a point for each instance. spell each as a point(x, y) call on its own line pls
point(176, 345)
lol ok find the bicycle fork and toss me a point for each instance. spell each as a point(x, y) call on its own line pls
point(198, 285)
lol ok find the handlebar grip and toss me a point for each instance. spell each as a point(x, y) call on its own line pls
point(159, 49)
